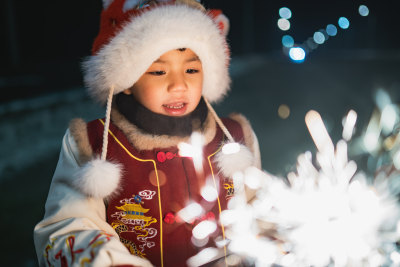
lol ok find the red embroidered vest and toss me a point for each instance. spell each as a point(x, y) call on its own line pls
point(155, 185)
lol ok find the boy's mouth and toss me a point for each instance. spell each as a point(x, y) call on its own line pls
point(175, 109)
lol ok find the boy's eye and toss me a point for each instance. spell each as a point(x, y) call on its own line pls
point(192, 71)
point(157, 73)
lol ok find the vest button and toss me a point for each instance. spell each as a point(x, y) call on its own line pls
point(161, 157)
point(169, 218)
point(170, 155)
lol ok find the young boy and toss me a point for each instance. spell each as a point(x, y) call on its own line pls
point(121, 184)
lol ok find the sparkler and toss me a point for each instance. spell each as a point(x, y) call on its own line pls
point(327, 213)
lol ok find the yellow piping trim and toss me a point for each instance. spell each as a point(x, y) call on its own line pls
point(158, 187)
point(219, 203)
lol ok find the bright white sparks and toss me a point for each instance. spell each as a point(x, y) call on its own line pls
point(204, 229)
point(318, 132)
point(193, 150)
point(372, 134)
point(203, 257)
point(348, 125)
point(191, 212)
point(389, 118)
point(209, 193)
point(328, 214)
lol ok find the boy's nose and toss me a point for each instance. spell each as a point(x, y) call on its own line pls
point(177, 83)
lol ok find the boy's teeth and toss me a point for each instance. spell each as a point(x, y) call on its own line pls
point(175, 107)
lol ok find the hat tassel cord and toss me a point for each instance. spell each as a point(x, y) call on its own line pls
point(99, 178)
point(107, 124)
point(219, 121)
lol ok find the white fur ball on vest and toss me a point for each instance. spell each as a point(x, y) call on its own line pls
point(98, 178)
point(234, 158)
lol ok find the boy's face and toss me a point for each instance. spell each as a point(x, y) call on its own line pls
point(172, 85)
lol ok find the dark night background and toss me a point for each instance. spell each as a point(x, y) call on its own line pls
point(43, 43)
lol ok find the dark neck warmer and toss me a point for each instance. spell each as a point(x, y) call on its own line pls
point(158, 124)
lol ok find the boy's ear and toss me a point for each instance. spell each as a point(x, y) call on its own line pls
point(127, 91)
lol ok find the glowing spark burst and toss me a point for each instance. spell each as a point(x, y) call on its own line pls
point(348, 125)
point(318, 132)
point(193, 150)
point(204, 229)
point(191, 212)
point(326, 214)
point(204, 256)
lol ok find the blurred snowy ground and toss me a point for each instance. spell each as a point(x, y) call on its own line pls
point(31, 130)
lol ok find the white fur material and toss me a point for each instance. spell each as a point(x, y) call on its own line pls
point(123, 60)
point(234, 162)
point(98, 178)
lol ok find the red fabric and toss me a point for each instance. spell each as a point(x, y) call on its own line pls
point(113, 18)
point(181, 185)
point(214, 13)
point(111, 21)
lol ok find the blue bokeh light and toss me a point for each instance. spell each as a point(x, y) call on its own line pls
point(285, 13)
point(344, 23)
point(331, 30)
point(287, 41)
point(319, 37)
point(311, 44)
point(363, 10)
point(297, 54)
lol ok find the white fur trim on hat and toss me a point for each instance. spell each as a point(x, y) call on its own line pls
point(98, 178)
point(123, 60)
point(238, 161)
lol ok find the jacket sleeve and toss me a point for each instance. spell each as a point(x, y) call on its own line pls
point(74, 230)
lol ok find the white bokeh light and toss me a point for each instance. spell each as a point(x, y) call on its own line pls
point(283, 24)
point(297, 54)
point(319, 37)
point(363, 10)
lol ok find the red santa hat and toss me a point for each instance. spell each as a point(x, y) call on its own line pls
point(133, 34)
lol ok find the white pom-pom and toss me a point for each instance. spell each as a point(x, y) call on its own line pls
point(98, 178)
point(233, 158)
